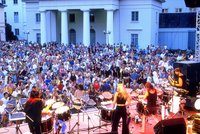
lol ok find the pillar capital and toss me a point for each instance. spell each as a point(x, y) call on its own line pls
point(42, 10)
point(63, 10)
point(109, 9)
point(85, 10)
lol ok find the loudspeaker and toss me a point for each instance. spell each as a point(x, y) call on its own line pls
point(191, 70)
point(192, 3)
point(190, 103)
point(170, 126)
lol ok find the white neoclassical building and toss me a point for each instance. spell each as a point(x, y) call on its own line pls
point(90, 21)
point(2, 23)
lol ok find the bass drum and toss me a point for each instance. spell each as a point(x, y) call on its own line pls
point(47, 124)
point(107, 113)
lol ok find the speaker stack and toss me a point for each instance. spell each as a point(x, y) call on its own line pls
point(191, 70)
point(170, 126)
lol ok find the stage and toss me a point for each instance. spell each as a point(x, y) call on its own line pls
point(91, 121)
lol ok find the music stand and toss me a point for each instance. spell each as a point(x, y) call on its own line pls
point(17, 116)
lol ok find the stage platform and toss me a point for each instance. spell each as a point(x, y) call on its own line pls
point(96, 125)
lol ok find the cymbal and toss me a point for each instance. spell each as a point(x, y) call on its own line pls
point(77, 104)
point(57, 105)
point(50, 102)
point(180, 90)
point(85, 98)
point(134, 94)
point(62, 109)
point(91, 102)
point(106, 102)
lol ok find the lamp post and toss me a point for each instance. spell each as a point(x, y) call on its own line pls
point(27, 33)
point(107, 33)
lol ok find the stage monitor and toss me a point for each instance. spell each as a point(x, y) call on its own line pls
point(192, 3)
point(170, 126)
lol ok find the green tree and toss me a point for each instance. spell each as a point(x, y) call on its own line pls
point(9, 34)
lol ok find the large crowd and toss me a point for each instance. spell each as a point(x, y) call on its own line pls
point(60, 71)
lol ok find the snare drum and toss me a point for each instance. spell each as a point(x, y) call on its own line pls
point(47, 124)
point(63, 113)
point(57, 105)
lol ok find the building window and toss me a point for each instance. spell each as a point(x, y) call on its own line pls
point(15, 1)
point(165, 10)
point(92, 18)
point(178, 10)
point(38, 37)
point(134, 40)
point(16, 31)
point(3, 1)
point(5, 17)
point(16, 17)
point(37, 17)
point(177, 20)
point(134, 15)
point(72, 18)
point(192, 9)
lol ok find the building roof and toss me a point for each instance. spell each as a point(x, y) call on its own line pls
point(46, 0)
point(30, 0)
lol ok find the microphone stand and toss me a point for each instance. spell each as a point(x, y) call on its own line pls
point(89, 119)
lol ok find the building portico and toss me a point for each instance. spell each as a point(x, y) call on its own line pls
point(111, 22)
point(64, 27)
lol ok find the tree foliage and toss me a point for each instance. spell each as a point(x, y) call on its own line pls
point(9, 34)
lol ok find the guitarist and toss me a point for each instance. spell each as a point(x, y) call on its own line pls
point(178, 80)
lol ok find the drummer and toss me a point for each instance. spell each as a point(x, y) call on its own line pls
point(151, 97)
point(79, 93)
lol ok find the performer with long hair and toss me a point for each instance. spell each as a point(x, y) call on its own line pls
point(151, 97)
point(178, 80)
point(121, 100)
point(33, 109)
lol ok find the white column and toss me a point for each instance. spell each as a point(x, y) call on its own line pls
point(86, 27)
point(64, 27)
point(109, 27)
point(43, 27)
point(53, 26)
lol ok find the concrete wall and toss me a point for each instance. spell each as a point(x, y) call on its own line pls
point(2, 25)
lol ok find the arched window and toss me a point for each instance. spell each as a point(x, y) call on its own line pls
point(72, 36)
point(92, 36)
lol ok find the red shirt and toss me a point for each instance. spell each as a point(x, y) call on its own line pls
point(96, 86)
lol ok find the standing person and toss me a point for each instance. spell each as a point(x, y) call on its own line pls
point(33, 109)
point(121, 100)
point(151, 97)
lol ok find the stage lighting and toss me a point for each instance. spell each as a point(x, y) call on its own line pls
point(197, 104)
